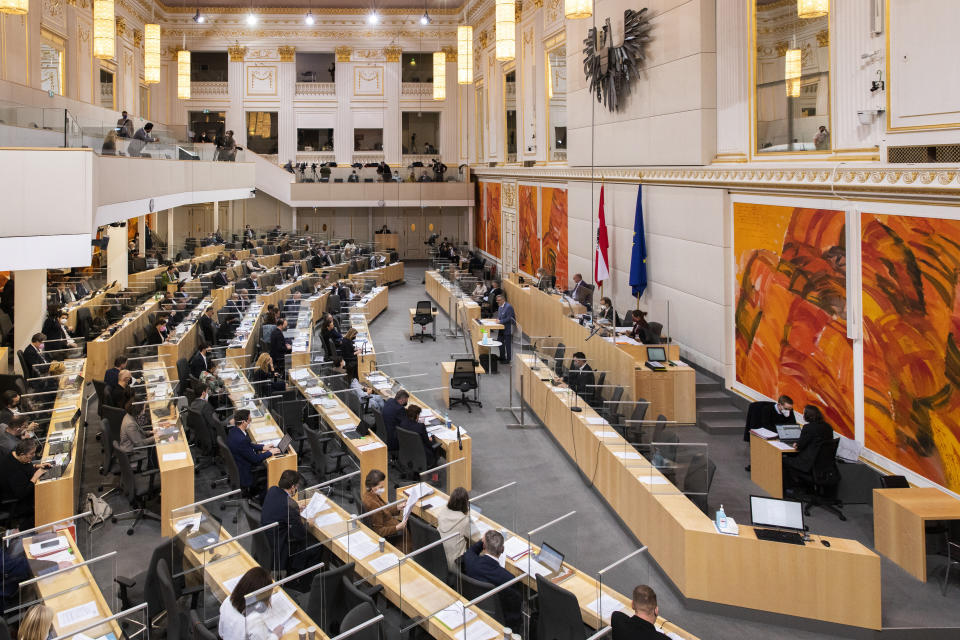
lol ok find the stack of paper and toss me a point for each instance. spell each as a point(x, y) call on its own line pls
point(368, 447)
point(515, 547)
point(359, 545)
point(75, 615)
point(385, 561)
point(455, 616)
point(281, 609)
point(628, 455)
point(605, 605)
point(766, 434)
point(479, 630)
point(326, 519)
point(317, 504)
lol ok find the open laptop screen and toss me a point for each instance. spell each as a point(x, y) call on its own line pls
point(550, 557)
point(656, 354)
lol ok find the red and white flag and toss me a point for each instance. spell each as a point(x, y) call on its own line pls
point(600, 269)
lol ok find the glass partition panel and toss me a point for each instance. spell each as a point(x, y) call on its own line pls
point(613, 586)
point(68, 584)
point(792, 76)
point(130, 623)
point(557, 102)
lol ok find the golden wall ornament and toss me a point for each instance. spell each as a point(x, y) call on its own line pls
point(237, 53)
point(121, 26)
point(781, 49)
point(482, 38)
point(823, 38)
point(137, 38)
point(392, 53)
point(343, 53)
point(451, 52)
point(286, 53)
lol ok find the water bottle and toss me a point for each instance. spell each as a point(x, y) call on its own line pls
point(721, 518)
point(446, 420)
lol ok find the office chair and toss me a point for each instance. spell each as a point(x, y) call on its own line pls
point(654, 334)
point(144, 586)
point(697, 480)
point(178, 623)
point(558, 354)
point(632, 427)
point(326, 603)
point(357, 616)
point(137, 494)
point(560, 617)
point(263, 542)
point(325, 464)
point(205, 440)
point(472, 588)
point(611, 406)
point(233, 474)
point(411, 457)
point(199, 630)
point(433, 559)
point(595, 393)
point(24, 367)
point(823, 480)
point(422, 317)
point(464, 379)
point(292, 411)
point(952, 551)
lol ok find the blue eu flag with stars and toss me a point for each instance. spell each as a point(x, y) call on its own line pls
point(638, 260)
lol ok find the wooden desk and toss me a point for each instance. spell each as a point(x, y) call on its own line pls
point(446, 372)
point(57, 499)
point(241, 347)
point(386, 241)
point(173, 454)
point(262, 430)
point(4, 360)
point(584, 586)
point(671, 392)
point(382, 275)
point(477, 326)
point(94, 302)
point(183, 343)
point(102, 351)
point(71, 589)
point(766, 465)
point(899, 518)
point(706, 565)
point(441, 290)
point(372, 304)
point(411, 588)
point(369, 451)
point(311, 310)
point(413, 332)
point(458, 475)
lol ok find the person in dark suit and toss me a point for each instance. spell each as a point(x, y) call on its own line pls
point(506, 317)
point(480, 563)
point(292, 551)
point(578, 285)
point(815, 432)
point(411, 422)
point(639, 626)
point(200, 360)
point(119, 395)
point(155, 333)
point(580, 377)
point(111, 376)
point(220, 278)
point(209, 327)
point(58, 338)
point(640, 331)
point(279, 347)
point(18, 478)
point(247, 455)
point(202, 406)
point(37, 361)
point(767, 415)
point(605, 311)
point(394, 411)
point(348, 351)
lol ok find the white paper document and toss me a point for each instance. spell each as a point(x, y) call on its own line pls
point(606, 434)
point(193, 522)
point(370, 447)
point(339, 416)
point(173, 457)
point(532, 567)
point(61, 556)
point(783, 446)
point(385, 561)
point(596, 420)
point(605, 605)
point(359, 545)
point(299, 374)
point(515, 547)
point(479, 630)
point(77, 614)
point(317, 504)
point(455, 616)
point(280, 610)
point(326, 519)
point(264, 431)
point(628, 455)
point(648, 479)
point(764, 433)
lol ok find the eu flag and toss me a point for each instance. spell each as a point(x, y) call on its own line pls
point(638, 260)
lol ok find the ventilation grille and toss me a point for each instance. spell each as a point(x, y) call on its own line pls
point(945, 153)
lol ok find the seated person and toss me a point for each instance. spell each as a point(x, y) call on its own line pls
point(454, 517)
point(58, 338)
point(386, 523)
point(37, 361)
point(170, 276)
point(639, 626)
point(216, 388)
point(209, 327)
point(580, 376)
point(365, 393)
point(394, 411)
point(233, 623)
point(480, 562)
point(155, 333)
point(12, 404)
point(581, 291)
point(248, 456)
point(111, 376)
point(132, 435)
point(348, 352)
point(605, 311)
point(767, 415)
point(119, 395)
point(479, 291)
point(266, 380)
point(639, 330)
point(815, 432)
point(411, 422)
point(18, 478)
point(293, 550)
point(14, 432)
point(200, 360)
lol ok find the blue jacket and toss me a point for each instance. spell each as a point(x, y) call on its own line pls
point(487, 569)
point(506, 317)
point(246, 454)
point(290, 535)
point(393, 414)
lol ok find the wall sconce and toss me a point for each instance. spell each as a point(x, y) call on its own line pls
point(866, 116)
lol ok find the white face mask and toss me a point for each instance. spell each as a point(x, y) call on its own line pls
point(63, 321)
point(379, 490)
point(784, 411)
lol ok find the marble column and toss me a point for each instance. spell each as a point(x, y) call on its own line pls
point(29, 307)
point(117, 255)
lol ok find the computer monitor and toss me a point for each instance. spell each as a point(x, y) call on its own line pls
point(656, 354)
point(550, 557)
point(771, 512)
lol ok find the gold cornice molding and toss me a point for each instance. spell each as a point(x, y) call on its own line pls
point(265, 11)
point(237, 53)
point(392, 53)
point(451, 53)
point(343, 53)
point(286, 53)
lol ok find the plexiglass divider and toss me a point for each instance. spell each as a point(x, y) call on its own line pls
point(224, 563)
point(548, 551)
point(614, 587)
point(68, 587)
point(129, 623)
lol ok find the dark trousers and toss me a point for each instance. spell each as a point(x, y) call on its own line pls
point(506, 345)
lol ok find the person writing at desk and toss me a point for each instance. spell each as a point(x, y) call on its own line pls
point(640, 331)
point(815, 432)
point(155, 334)
point(240, 622)
point(386, 523)
point(248, 456)
point(19, 476)
point(411, 422)
point(580, 377)
point(480, 562)
point(639, 626)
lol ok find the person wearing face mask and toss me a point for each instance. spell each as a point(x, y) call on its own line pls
point(248, 456)
point(292, 550)
point(386, 522)
point(37, 361)
point(604, 311)
point(13, 432)
point(11, 404)
point(18, 478)
point(767, 415)
point(58, 337)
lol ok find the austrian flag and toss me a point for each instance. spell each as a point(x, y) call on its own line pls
point(600, 269)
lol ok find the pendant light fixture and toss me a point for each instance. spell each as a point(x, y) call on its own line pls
point(151, 52)
point(464, 54)
point(792, 72)
point(15, 7)
point(183, 72)
point(811, 8)
point(439, 75)
point(577, 9)
point(104, 29)
point(506, 30)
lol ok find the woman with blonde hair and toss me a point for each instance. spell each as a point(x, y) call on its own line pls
point(36, 624)
point(265, 377)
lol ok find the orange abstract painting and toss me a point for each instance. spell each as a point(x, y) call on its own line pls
point(790, 318)
point(478, 226)
point(491, 211)
point(911, 360)
point(553, 212)
point(529, 250)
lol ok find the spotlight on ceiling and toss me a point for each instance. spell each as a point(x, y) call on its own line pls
point(199, 19)
point(373, 18)
point(309, 19)
point(425, 19)
point(251, 19)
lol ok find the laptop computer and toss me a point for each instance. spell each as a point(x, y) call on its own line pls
point(788, 433)
point(785, 516)
point(284, 444)
point(552, 559)
point(63, 425)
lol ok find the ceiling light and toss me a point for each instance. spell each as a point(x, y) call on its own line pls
point(309, 19)
point(251, 19)
point(199, 19)
point(425, 19)
point(373, 18)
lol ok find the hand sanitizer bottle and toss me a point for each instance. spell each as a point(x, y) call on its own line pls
point(721, 518)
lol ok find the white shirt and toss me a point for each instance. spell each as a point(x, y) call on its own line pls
point(236, 626)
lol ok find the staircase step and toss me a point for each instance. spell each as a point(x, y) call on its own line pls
point(721, 425)
point(708, 385)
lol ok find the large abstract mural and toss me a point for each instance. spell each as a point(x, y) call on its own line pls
point(790, 316)
point(529, 250)
point(911, 359)
point(491, 212)
point(553, 223)
point(478, 219)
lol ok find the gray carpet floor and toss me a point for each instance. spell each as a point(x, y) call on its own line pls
point(548, 486)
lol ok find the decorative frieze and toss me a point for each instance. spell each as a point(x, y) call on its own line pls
point(237, 53)
point(286, 53)
point(343, 53)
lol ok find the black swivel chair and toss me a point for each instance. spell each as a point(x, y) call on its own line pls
point(464, 380)
point(262, 548)
point(823, 480)
point(326, 604)
point(433, 559)
point(423, 316)
point(558, 354)
point(178, 621)
point(560, 617)
point(357, 616)
point(654, 333)
point(233, 475)
point(411, 457)
point(472, 588)
point(137, 494)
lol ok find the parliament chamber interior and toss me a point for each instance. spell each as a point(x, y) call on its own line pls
point(331, 320)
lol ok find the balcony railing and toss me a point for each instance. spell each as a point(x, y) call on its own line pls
point(311, 89)
point(317, 157)
point(209, 89)
point(416, 89)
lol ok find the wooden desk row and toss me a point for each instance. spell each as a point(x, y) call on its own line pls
point(102, 351)
point(372, 304)
point(145, 281)
point(57, 498)
point(94, 302)
point(839, 584)
point(671, 392)
point(441, 290)
point(173, 454)
point(584, 586)
point(382, 275)
point(311, 311)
